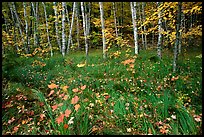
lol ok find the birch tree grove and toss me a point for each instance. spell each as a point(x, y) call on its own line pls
point(159, 31)
point(178, 22)
point(47, 28)
point(134, 17)
point(103, 29)
point(63, 29)
point(56, 26)
point(70, 30)
point(77, 23)
point(84, 26)
point(115, 19)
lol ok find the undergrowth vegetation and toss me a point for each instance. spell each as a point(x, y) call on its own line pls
point(124, 94)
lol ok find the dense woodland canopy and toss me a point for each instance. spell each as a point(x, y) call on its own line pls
point(32, 30)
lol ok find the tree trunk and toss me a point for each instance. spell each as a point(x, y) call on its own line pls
point(177, 36)
point(77, 21)
point(26, 29)
point(63, 29)
point(48, 37)
point(115, 20)
point(183, 26)
point(56, 26)
point(159, 32)
point(145, 35)
point(69, 23)
point(134, 17)
point(70, 30)
point(19, 25)
point(103, 29)
point(85, 31)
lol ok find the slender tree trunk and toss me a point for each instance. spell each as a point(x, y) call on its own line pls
point(14, 27)
point(19, 25)
point(122, 18)
point(69, 23)
point(26, 29)
point(134, 17)
point(115, 20)
point(70, 30)
point(140, 15)
point(56, 26)
point(177, 37)
point(37, 21)
point(159, 32)
point(77, 21)
point(47, 28)
point(63, 29)
point(84, 26)
point(103, 29)
point(145, 34)
point(182, 25)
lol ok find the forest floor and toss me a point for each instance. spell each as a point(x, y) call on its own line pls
point(124, 94)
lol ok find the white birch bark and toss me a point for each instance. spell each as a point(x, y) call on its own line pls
point(103, 29)
point(69, 23)
point(145, 34)
point(56, 26)
point(26, 23)
point(47, 29)
point(77, 20)
point(70, 30)
point(84, 26)
point(177, 37)
point(63, 28)
point(133, 10)
point(115, 20)
point(182, 25)
point(159, 32)
point(19, 25)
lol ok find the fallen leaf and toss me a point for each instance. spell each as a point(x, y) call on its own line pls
point(75, 100)
point(66, 126)
point(41, 104)
point(61, 95)
point(60, 119)
point(77, 106)
point(60, 104)
point(15, 129)
point(42, 116)
point(11, 120)
point(128, 129)
point(80, 65)
point(67, 112)
point(71, 121)
point(83, 87)
point(64, 88)
point(54, 107)
point(65, 97)
point(94, 129)
point(75, 90)
point(52, 86)
point(51, 92)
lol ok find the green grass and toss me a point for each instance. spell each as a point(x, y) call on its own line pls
point(139, 97)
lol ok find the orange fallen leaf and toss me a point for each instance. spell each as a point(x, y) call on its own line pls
point(60, 119)
point(42, 116)
point(77, 106)
point(51, 92)
point(67, 112)
point(65, 97)
point(75, 100)
point(66, 126)
point(131, 65)
point(60, 104)
point(75, 90)
point(54, 107)
point(83, 87)
point(61, 95)
point(15, 129)
point(52, 86)
point(11, 120)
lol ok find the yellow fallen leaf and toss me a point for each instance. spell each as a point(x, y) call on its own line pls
point(80, 65)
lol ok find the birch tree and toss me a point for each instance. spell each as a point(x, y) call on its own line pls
point(159, 31)
point(115, 19)
point(77, 24)
point(56, 25)
point(183, 26)
point(69, 23)
point(140, 15)
point(63, 28)
point(26, 23)
point(134, 17)
point(84, 26)
point(70, 30)
point(103, 29)
point(178, 22)
point(145, 35)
